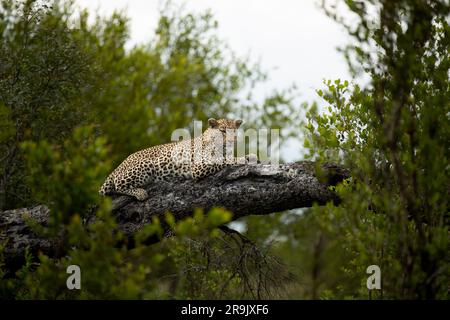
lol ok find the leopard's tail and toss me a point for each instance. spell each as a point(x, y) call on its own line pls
point(108, 187)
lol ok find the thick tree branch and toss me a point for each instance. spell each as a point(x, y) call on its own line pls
point(244, 190)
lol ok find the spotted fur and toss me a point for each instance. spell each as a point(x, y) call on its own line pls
point(192, 159)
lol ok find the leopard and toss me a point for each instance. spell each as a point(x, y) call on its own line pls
point(194, 159)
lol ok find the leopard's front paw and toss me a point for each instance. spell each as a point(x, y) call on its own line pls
point(140, 194)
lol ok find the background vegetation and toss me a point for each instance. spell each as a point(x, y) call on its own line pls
point(74, 102)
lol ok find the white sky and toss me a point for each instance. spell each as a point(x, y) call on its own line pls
point(293, 39)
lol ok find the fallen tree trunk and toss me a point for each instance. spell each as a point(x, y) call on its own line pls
point(244, 190)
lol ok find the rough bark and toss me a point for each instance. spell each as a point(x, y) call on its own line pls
point(244, 190)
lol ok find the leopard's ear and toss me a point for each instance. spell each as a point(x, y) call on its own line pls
point(238, 122)
point(212, 123)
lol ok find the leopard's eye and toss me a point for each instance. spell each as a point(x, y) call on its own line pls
point(223, 130)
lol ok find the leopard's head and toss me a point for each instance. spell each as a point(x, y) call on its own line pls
point(226, 127)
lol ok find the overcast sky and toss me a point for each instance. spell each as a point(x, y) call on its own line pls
point(294, 40)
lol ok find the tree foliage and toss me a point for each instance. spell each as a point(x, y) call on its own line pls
point(393, 135)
